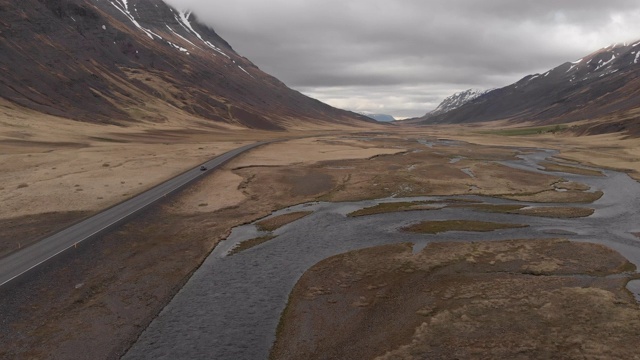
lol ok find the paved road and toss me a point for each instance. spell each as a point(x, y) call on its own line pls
point(30, 257)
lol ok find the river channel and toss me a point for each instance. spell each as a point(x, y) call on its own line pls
point(231, 306)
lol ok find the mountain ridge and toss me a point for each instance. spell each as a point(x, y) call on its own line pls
point(125, 61)
point(456, 100)
point(601, 84)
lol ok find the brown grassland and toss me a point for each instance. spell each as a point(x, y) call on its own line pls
point(97, 298)
point(383, 208)
point(565, 212)
point(276, 222)
point(248, 244)
point(542, 299)
point(435, 227)
point(548, 166)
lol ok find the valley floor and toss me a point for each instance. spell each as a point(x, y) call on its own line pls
point(98, 298)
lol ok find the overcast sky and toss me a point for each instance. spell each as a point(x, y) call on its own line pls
point(402, 57)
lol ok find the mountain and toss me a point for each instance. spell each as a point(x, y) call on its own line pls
point(124, 61)
point(456, 100)
point(605, 83)
point(378, 117)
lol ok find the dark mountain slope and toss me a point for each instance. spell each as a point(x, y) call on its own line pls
point(602, 83)
point(119, 61)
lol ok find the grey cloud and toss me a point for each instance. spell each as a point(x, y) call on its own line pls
point(404, 56)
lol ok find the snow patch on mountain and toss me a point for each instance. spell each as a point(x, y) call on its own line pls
point(563, 90)
point(603, 64)
point(182, 37)
point(245, 71)
point(457, 100)
point(123, 6)
point(183, 19)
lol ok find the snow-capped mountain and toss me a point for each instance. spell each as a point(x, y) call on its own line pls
point(456, 100)
point(139, 60)
point(604, 82)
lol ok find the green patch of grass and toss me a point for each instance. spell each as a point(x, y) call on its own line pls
point(276, 222)
point(435, 227)
point(528, 130)
point(248, 244)
point(391, 207)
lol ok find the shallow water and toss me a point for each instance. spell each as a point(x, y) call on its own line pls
point(231, 306)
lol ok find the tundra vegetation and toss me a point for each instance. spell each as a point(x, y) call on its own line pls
point(134, 271)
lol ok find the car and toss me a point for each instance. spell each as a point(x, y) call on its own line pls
point(203, 168)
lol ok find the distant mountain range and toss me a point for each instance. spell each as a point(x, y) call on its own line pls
point(122, 61)
point(378, 117)
point(605, 83)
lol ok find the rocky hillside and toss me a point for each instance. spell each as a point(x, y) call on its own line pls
point(603, 84)
point(118, 61)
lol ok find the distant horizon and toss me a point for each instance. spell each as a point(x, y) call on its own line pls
point(491, 88)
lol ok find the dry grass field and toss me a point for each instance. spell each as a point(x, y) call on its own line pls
point(99, 297)
point(541, 299)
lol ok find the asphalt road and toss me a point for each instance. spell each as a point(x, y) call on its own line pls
point(18, 263)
